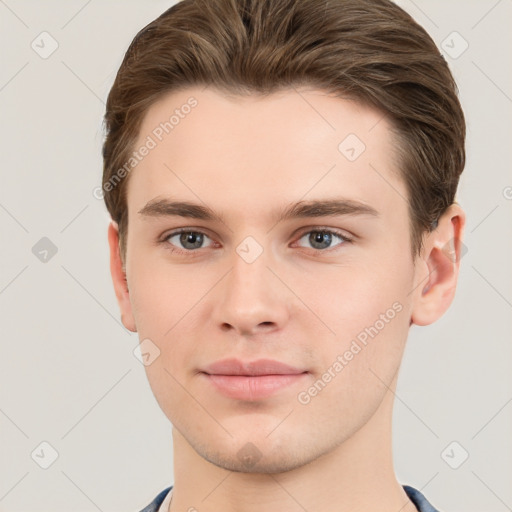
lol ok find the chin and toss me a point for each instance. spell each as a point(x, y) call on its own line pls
point(255, 451)
point(249, 459)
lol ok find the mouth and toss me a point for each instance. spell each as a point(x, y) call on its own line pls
point(251, 381)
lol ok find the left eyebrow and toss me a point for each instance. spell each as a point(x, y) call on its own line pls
point(327, 207)
point(301, 209)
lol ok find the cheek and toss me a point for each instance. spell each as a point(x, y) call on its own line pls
point(166, 301)
point(352, 297)
point(162, 295)
point(358, 365)
point(368, 308)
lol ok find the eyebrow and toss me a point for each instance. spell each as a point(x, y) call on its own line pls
point(300, 209)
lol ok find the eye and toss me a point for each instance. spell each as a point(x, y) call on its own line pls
point(186, 240)
point(321, 239)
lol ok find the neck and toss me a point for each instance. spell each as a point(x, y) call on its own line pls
point(357, 476)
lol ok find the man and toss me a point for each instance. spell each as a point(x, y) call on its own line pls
point(281, 178)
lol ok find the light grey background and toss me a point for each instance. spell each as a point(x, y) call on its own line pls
point(68, 375)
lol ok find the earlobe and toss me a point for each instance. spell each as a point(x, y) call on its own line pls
point(119, 278)
point(438, 269)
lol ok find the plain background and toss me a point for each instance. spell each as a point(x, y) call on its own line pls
point(68, 375)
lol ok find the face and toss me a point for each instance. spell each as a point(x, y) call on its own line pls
point(325, 290)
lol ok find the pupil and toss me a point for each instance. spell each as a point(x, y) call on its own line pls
point(193, 238)
point(320, 237)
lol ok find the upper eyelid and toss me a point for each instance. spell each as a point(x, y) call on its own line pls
point(303, 230)
point(298, 233)
point(336, 231)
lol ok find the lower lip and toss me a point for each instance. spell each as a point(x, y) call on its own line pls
point(243, 387)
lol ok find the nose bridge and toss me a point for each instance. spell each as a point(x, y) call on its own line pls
point(249, 263)
point(250, 294)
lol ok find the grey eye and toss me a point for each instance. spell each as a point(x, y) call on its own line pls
point(188, 240)
point(321, 239)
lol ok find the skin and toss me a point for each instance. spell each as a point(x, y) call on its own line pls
point(246, 158)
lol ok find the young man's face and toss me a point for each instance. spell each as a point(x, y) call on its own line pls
point(251, 286)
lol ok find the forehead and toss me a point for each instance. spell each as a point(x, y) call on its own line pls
point(245, 152)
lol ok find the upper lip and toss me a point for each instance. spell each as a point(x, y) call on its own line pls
point(258, 367)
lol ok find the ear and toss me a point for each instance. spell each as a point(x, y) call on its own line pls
point(437, 269)
point(119, 278)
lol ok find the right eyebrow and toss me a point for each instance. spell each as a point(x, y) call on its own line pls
point(167, 208)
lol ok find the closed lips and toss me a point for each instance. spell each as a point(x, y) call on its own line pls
point(251, 368)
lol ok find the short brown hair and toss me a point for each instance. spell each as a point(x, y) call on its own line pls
point(369, 50)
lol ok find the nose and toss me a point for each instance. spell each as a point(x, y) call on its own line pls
point(251, 299)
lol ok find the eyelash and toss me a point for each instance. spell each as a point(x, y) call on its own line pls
point(318, 229)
